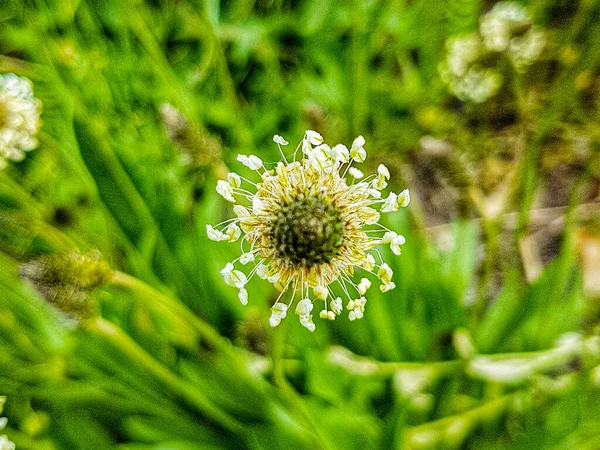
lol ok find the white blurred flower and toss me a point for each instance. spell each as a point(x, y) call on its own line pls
point(499, 25)
point(462, 51)
point(5, 443)
point(19, 118)
point(525, 50)
point(478, 84)
point(507, 28)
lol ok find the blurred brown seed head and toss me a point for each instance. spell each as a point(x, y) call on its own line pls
point(252, 335)
point(200, 148)
point(67, 281)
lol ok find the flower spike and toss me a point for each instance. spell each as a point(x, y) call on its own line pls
point(308, 229)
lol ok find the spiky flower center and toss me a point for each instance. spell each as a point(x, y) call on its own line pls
point(307, 231)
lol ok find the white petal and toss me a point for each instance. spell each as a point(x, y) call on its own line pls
point(336, 305)
point(233, 232)
point(262, 271)
point(340, 153)
point(234, 180)
point(307, 322)
point(313, 137)
point(321, 292)
point(379, 182)
point(383, 171)
point(251, 161)
point(396, 243)
point(247, 257)
point(385, 287)
point(243, 296)
point(404, 198)
point(278, 312)
point(363, 286)
point(227, 269)
point(369, 215)
point(304, 307)
point(241, 211)
point(235, 278)
point(390, 203)
point(281, 141)
point(357, 152)
point(225, 190)
point(374, 193)
point(214, 234)
point(273, 278)
point(368, 263)
point(385, 273)
point(357, 174)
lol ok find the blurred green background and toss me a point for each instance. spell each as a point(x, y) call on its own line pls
point(146, 105)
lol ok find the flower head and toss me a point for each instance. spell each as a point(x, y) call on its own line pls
point(5, 443)
point(306, 229)
point(68, 282)
point(506, 29)
point(19, 118)
point(504, 20)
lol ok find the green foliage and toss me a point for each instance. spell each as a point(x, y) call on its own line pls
point(467, 352)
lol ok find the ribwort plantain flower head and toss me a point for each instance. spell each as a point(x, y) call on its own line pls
point(68, 281)
point(5, 443)
point(471, 69)
point(306, 228)
point(19, 118)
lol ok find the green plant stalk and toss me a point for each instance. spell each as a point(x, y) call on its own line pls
point(492, 229)
point(359, 75)
point(457, 426)
point(147, 292)
point(280, 380)
point(186, 391)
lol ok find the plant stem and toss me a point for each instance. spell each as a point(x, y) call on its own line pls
point(280, 380)
point(119, 339)
point(455, 428)
point(150, 293)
